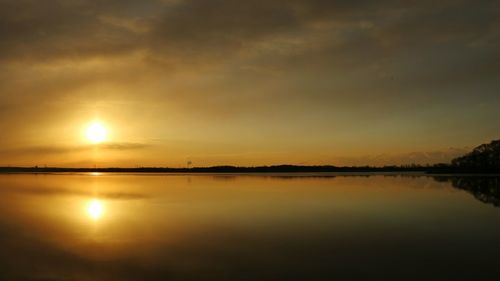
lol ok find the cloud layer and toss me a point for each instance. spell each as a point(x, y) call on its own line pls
point(259, 78)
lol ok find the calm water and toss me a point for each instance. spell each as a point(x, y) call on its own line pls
point(206, 227)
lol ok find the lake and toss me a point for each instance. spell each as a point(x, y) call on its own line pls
point(248, 227)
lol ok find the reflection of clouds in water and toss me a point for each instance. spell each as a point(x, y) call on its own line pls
point(221, 249)
point(64, 191)
point(27, 257)
point(218, 252)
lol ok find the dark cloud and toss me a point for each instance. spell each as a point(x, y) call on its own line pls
point(63, 29)
point(215, 29)
point(125, 146)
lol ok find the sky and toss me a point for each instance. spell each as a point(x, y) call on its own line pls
point(261, 82)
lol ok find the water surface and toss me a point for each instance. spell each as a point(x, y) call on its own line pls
point(248, 227)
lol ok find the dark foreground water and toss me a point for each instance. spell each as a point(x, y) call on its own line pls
point(247, 227)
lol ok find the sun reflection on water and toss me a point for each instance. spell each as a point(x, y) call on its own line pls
point(95, 209)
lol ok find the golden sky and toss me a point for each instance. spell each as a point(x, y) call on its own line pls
point(247, 82)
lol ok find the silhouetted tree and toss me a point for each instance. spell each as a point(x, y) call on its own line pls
point(485, 156)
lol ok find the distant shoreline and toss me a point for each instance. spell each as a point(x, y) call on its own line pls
point(259, 169)
point(484, 159)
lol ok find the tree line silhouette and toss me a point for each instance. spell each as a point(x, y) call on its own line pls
point(485, 156)
point(483, 159)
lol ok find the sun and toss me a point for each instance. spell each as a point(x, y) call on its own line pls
point(96, 132)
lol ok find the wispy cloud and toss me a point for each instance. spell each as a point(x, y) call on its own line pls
point(56, 191)
point(53, 149)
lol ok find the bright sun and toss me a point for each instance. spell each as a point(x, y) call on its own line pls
point(96, 132)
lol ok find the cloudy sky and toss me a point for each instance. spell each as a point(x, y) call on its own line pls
point(247, 82)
